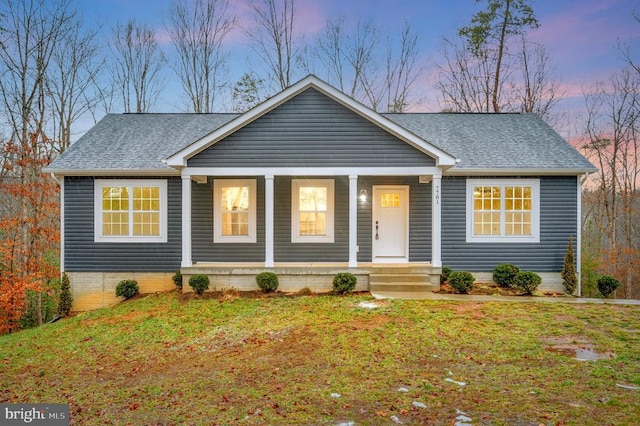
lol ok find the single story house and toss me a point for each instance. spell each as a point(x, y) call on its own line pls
point(310, 183)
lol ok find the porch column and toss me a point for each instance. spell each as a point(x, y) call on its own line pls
point(186, 221)
point(353, 221)
point(268, 221)
point(436, 221)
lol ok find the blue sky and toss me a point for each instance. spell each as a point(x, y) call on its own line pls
point(580, 35)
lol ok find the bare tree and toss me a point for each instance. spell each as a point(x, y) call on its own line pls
point(72, 79)
point(613, 132)
point(401, 70)
point(464, 80)
point(198, 30)
point(273, 38)
point(136, 67)
point(540, 92)
point(30, 33)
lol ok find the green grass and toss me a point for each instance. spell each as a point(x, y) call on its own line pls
point(165, 360)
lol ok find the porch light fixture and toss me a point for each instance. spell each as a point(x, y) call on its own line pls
point(363, 196)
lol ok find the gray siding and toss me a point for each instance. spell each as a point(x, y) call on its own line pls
point(558, 221)
point(419, 217)
point(82, 254)
point(286, 251)
point(203, 248)
point(310, 130)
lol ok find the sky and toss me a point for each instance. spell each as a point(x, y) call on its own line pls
point(579, 35)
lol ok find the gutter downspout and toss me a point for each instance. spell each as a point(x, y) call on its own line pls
point(60, 182)
point(581, 181)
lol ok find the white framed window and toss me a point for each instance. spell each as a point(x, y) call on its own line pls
point(503, 210)
point(234, 210)
point(312, 202)
point(130, 210)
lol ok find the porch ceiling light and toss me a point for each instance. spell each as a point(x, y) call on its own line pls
point(363, 195)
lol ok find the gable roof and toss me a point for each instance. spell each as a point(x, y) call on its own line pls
point(179, 159)
point(160, 144)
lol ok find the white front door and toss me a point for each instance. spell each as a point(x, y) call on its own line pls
point(390, 224)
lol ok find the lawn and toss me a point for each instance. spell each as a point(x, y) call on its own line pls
point(323, 359)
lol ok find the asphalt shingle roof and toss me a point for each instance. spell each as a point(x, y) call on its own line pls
point(495, 141)
point(139, 142)
point(130, 142)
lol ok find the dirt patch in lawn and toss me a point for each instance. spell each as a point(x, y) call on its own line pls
point(492, 289)
point(579, 348)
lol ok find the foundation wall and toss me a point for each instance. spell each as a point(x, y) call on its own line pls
point(94, 290)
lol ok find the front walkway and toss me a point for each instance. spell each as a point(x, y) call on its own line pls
point(427, 295)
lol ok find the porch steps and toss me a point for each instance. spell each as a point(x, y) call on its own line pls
point(409, 285)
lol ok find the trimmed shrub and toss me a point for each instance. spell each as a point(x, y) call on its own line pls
point(504, 274)
point(177, 280)
point(344, 282)
point(444, 275)
point(607, 285)
point(569, 274)
point(66, 298)
point(461, 281)
point(527, 281)
point(199, 283)
point(267, 281)
point(127, 289)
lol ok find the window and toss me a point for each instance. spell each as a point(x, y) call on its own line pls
point(312, 210)
point(130, 210)
point(234, 210)
point(501, 210)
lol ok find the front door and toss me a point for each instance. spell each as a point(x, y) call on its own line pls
point(390, 224)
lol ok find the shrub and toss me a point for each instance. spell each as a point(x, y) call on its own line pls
point(504, 274)
point(461, 281)
point(306, 291)
point(607, 285)
point(127, 289)
point(267, 281)
point(177, 280)
point(527, 281)
point(569, 274)
point(444, 275)
point(199, 283)
point(66, 298)
point(344, 282)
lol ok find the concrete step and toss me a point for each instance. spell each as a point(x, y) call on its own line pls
point(400, 278)
point(407, 283)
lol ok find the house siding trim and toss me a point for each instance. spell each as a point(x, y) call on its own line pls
point(311, 171)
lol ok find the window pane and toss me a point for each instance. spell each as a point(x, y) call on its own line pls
point(115, 198)
point(313, 198)
point(235, 223)
point(389, 199)
point(115, 224)
point(235, 198)
point(146, 224)
point(487, 223)
point(518, 224)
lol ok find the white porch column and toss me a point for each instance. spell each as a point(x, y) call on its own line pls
point(436, 221)
point(268, 221)
point(353, 221)
point(186, 221)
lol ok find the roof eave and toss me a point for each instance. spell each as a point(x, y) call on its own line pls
point(519, 171)
point(112, 172)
